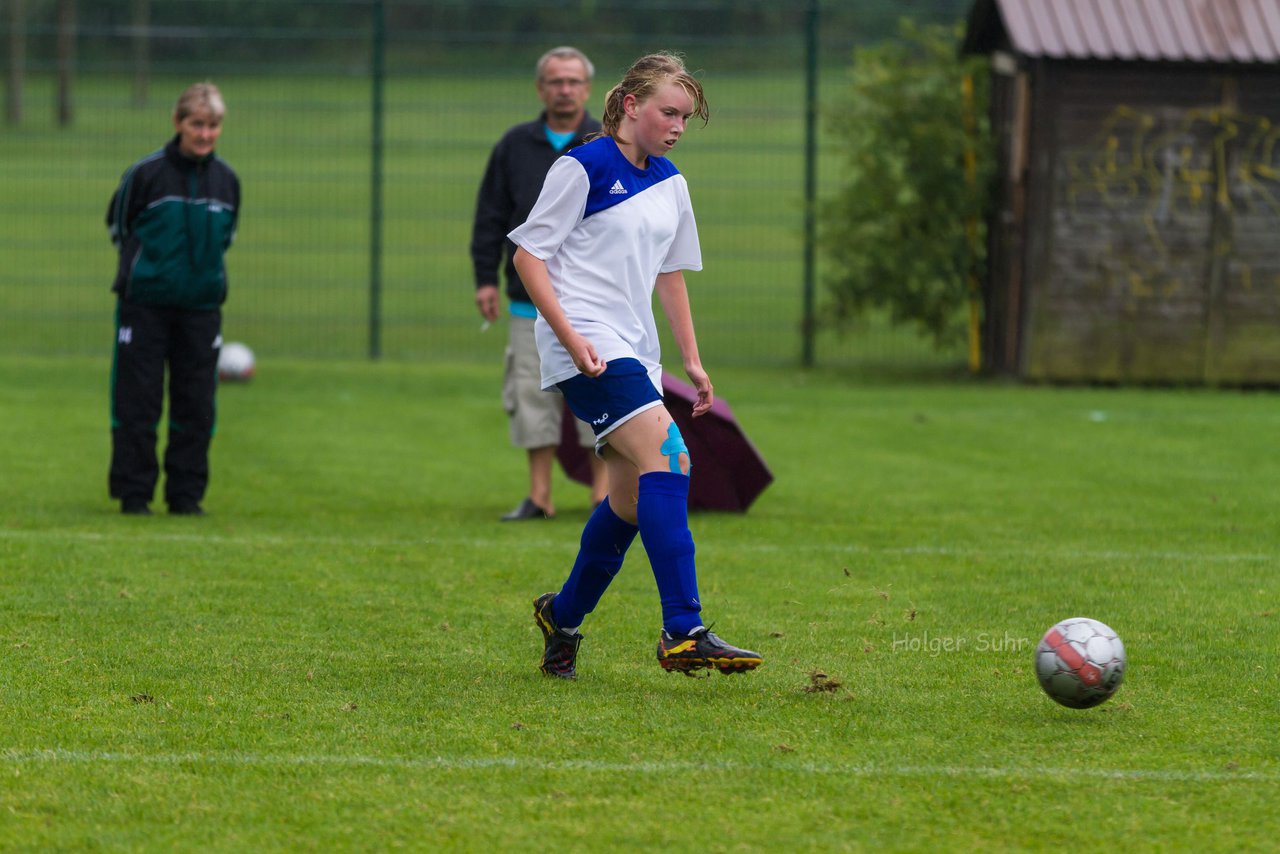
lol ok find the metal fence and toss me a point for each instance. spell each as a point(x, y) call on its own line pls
point(360, 131)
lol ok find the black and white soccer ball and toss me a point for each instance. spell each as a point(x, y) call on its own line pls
point(1080, 662)
point(235, 362)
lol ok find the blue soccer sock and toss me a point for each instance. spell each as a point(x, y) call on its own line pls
point(663, 513)
point(605, 541)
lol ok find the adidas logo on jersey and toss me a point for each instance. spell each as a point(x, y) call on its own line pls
point(617, 189)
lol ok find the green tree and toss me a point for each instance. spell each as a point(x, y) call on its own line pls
point(906, 231)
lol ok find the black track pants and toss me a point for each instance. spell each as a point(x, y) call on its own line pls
point(147, 339)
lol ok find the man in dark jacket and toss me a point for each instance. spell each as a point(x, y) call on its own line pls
point(511, 185)
point(172, 218)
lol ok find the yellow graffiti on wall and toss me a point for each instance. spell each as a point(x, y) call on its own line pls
point(1166, 168)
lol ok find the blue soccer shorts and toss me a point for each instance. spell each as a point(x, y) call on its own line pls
point(612, 399)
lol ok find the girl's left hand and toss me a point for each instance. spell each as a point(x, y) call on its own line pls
point(706, 393)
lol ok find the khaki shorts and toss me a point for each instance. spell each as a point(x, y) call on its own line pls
point(535, 414)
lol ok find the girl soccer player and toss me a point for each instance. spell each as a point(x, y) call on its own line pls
point(614, 222)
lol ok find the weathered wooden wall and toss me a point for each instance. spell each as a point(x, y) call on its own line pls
point(1150, 236)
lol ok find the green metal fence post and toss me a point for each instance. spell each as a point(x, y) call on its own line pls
point(379, 48)
point(17, 63)
point(810, 179)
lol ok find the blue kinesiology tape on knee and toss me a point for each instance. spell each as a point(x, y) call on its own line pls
point(605, 541)
point(663, 510)
point(673, 447)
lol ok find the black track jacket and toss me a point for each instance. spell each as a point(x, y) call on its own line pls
point(512, 182)
point(172, 218)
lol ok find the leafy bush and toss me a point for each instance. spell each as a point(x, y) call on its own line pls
point(907, 227)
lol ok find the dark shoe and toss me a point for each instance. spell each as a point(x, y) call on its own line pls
point(186, 510)
point(526, 510)
point(686, 653)
point(134, 507)
point(560, 649)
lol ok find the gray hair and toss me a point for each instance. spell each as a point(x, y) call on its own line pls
point(564, 52)
point(200, 96)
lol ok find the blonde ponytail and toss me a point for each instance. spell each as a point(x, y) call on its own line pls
point(643, 79)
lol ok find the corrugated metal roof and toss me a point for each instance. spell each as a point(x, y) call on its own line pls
point(1152, 30)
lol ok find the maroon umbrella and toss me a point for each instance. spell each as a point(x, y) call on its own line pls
point(728, 472)
point(574, 459)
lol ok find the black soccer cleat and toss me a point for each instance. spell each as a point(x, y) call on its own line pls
point(686, 653)
point(560, 650)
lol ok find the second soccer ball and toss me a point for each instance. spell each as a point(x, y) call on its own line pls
point(235, 362)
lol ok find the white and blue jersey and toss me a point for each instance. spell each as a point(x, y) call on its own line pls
point(606, 229)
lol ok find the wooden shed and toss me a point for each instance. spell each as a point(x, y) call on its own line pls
point(1137, 231)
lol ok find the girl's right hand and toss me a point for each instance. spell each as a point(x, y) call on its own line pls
point(584, 356)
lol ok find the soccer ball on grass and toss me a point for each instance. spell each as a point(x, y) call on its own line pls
point(1080, 662)
point(235, 362)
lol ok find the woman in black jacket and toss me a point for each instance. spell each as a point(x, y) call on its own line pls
point(172, 218)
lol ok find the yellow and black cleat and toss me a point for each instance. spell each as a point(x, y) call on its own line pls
point(701, 649)
point(560, 648)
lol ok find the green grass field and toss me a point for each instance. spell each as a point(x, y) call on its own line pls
point(341, 655)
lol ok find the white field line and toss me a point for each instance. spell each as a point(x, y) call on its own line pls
point(13, 757)
point(569, 543)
